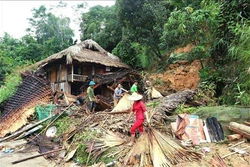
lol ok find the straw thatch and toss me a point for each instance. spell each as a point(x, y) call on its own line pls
point(86, 51)
point(124, 104)
point(155, 93)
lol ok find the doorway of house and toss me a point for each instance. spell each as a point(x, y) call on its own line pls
point(75, 88)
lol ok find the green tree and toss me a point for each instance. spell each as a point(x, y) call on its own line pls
point(50, 31)
point(5, 66)
point(231, 51)
point(101, 25)
point(144, 21)
point(188, 25)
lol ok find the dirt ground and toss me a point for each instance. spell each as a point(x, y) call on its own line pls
point(221, 149)
point(7, 159)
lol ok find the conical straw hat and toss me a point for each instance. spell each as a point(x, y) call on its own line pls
point(135, 96)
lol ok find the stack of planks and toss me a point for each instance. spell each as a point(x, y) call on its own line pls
point(241, 130)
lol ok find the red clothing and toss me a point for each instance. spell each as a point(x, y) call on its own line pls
point(139, 108)
point(137, 125)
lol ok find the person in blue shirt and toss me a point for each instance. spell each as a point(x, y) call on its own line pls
point(117, 94)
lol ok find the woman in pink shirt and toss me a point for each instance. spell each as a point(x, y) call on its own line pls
point(139, 109)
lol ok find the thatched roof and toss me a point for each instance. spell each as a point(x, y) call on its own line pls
point(86, 51)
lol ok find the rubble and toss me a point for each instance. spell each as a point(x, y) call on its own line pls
point(107, 134)
point(33, 90)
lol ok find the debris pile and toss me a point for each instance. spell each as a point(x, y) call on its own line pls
point(106, 133)
point(190, 127)
point(34, 90)
point(154, 148)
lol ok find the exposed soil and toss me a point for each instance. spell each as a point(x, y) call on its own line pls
point(178, 76)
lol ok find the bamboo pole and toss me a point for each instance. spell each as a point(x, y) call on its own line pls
point(236, 144)
point(35, 156)
point(235, 152)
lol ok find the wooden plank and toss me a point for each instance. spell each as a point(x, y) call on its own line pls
point(63, 73)
point(53, 75)
point(244, 134)
point(234, 137)
point(72, 72)
point(247, 123)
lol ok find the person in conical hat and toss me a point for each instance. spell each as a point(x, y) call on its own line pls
point(139, 109)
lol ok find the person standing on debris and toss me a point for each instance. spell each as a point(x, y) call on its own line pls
point(134, 87)
point(117, 94)
point(91, 100)
point(139, 109)
point(148, 90)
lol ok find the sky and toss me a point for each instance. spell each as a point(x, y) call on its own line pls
point(14, 14)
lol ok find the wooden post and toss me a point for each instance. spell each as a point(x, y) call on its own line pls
point(72, 72)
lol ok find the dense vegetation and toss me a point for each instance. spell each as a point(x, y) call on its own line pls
point(144, 33)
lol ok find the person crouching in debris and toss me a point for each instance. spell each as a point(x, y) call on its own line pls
point(91, 99)
point(148, 90)
point(117, 94)
point(139, 109)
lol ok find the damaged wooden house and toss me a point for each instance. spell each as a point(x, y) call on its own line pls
point(68, 71)
point(72, 69)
